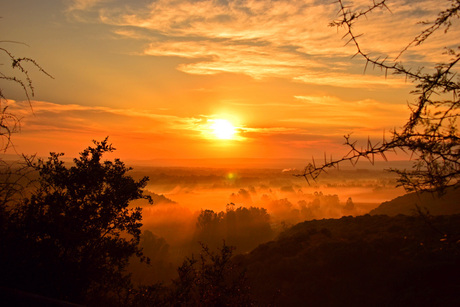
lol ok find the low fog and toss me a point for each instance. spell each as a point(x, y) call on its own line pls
point(243, 207)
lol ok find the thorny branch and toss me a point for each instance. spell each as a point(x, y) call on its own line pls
point(14, 178)
point(431, 132)
point(9, 122)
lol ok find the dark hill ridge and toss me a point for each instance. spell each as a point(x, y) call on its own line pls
point(361, 261)
point(449, 203)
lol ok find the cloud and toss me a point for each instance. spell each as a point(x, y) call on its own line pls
point(47, 116)
point(285, 38)
point(316, 124)
point(229, 37)
point(331, 113)
point(257, 38)
point(83, 5)
point(351, 80)
point(320, 114)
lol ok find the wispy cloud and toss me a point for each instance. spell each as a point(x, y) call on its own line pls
point(319, 122)
point(323, 113)
point(83, 5)
point(351, 80)
point(78, 118)
point(286, 38)
point(257, 38)
point(332, 114)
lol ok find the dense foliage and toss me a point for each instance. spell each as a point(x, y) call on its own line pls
point(421, 202)
point(73, 236)
point(211, 279)
point(242, 227)
point(359, 261)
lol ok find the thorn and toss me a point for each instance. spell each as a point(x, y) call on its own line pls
point(384, 157)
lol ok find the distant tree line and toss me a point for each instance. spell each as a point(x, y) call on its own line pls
point(242, 227)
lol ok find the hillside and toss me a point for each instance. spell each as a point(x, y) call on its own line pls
point(449, 203)
point(361, 261)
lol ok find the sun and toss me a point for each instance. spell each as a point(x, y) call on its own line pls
point(223, 129)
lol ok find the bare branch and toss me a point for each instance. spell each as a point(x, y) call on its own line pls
point(431, 133)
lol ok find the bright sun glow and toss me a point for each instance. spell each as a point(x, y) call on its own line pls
point(223, 129)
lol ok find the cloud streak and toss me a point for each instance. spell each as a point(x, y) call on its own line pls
point(321, 123)
point(332, 114)
point(77, 118)
point(288, 39)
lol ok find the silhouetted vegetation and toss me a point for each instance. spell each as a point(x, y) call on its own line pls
point(72, 238)
point(359, 261)
point(211, 279)
point(14, 71)
point(75, 235)
point(13, 176)
point(427, 202)
point(431, 132)
point(243, 227)
point(160, 266)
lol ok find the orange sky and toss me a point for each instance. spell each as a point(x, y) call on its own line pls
point(153, 75)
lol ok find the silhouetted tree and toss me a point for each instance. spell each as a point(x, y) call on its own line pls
point(242, 227)
point(73, 236)
point(431, 132)
point(211, 280)
point(349, 205)
point(159, 266)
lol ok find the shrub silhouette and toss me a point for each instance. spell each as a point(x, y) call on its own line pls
point(211, 280)
point(72, 238)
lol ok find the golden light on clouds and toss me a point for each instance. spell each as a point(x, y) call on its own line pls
point(227, 36)
point(211, 78)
